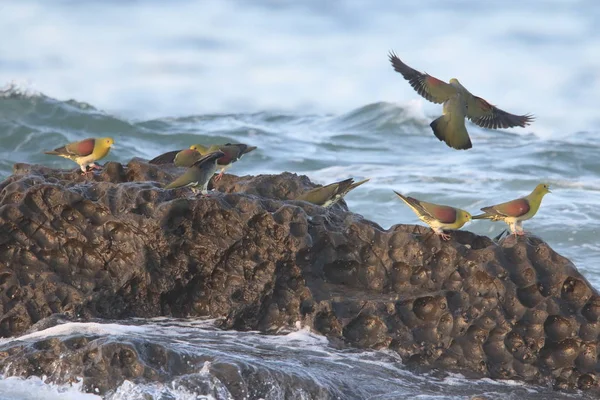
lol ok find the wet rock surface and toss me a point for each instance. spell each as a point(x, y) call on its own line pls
point(116, 245)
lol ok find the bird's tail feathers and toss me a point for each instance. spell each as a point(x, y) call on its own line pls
point(357, 184)
point(412, 203)
point(59, 151)
point(482, 216)
point(248, 149)
point(454, 136)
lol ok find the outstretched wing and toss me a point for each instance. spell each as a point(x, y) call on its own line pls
point(431, 88)
point(486, 115)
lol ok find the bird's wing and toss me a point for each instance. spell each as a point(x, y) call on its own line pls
point(444, 214)
point(489, 116)
point(513, 208)
point(431, 88)
point(187, 157)
point(191, 176)
point(322, 194)
point(78, 149)
point(430, 211)
point(166, 158)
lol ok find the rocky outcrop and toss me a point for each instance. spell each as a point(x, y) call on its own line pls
point(117, 245)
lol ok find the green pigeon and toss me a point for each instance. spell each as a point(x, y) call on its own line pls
point(438, 217)
point(328, 195)
point(198, 174)
point(86, 152)
point(458, 104)
point(185, 158)
point(516, 211)
point(233, 152)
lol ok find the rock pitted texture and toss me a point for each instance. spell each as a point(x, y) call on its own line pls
point(118, 246)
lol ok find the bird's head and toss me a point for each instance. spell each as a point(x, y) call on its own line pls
point(454, 81)
point(107, 142)
point(464, 216)
point(199, 148)
point(542, 189)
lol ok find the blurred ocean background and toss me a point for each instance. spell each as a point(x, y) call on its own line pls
point(309, 83)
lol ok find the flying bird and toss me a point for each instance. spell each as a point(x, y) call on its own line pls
point(328, 195)
point(458, 104)
point(85, 152)
point(198, 174)
point(438, 217)
point(514, 212)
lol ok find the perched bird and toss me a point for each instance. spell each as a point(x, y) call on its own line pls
point(514, 212)
point(233, 152)
point(198, 175)
point(438, 217)
point(185, 158)
point(85, 153)
point(328, 195)
point(458, 104)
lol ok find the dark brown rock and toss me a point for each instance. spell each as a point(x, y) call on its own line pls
point(116, 245)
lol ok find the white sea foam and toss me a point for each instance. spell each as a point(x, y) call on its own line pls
point(34, 388)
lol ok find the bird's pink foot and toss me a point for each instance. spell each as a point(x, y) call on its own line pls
point(95, 166)
point(444, 236)
point(218, 177)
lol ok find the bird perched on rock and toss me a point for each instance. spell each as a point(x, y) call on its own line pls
point(185, 158)
point(458, 104)
point(514, 212)
point(233, 152)
point(438, 217)
point(86, 152)
point(198, 174)
point(328, 195)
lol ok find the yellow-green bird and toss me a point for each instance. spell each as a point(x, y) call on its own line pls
point(185, 158)
point(198, 174)
point(438, 217)
point(516, 211)
point(328, 195)
point(458, 104)
point(233, 152)
point(86, 152)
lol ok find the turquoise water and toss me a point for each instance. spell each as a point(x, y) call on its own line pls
point(309, 83)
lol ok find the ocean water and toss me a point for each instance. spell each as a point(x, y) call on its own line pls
point(309, 83)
